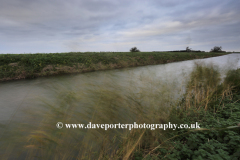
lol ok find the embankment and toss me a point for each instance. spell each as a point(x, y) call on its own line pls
point(25, 66)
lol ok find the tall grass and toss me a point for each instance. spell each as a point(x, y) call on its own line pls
point(206, 87)
point(108, 102)
point(202, 87)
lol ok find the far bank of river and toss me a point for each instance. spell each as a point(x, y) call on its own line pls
point(28, 66)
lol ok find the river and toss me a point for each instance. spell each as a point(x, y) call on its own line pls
point(16, 96)
point(98, 94)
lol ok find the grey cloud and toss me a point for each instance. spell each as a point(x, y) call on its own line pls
point(97, 23)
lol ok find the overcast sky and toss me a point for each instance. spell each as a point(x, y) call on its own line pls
point(49, 26)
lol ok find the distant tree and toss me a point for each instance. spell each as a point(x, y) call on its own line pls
point(134, 49)
point(216, 49)
point(188, 49)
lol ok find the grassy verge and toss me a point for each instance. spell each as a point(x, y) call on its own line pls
point(216, 106)
point(213, 104)
point(22, 66)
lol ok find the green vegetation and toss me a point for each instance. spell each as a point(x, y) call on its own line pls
point(22, 66)
point(216, 49)
point(134, 49)
point(216, 107)
point(213, 104)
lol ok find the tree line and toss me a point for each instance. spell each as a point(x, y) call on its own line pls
point(214, 49)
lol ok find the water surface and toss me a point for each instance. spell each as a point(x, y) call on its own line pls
point(23, 95)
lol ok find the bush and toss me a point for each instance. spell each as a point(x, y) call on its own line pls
point(216, 49)
point(134, 49)
point(188, 49)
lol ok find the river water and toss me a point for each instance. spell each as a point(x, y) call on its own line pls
point(21, 101)
point(16, 96)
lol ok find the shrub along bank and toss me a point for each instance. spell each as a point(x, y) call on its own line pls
point(219, 135)
point(22, 66)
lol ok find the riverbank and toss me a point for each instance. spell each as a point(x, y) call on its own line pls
point(213, 105)
point(27, 66)
point(208, 100)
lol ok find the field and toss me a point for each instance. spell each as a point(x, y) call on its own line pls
point(25, 66)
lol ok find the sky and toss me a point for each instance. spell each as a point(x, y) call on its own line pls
point(51, 26)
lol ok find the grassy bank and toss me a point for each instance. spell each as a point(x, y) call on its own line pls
point(213, 103)
point(216, 106)
point(23, 66)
